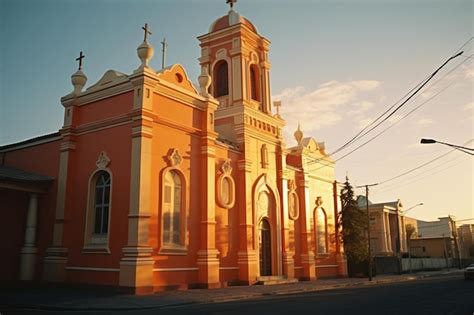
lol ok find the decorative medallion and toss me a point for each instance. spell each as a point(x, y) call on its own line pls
point(103, 161)
point(175, 158)
point(226, 167)
point(319, 201)
point(291, 185)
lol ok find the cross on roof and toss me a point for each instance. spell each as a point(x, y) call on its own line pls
point(81, 56)
point(164, 44)
point(231, 3)
point(147, 32)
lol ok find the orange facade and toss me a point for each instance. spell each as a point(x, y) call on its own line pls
point(154, 184)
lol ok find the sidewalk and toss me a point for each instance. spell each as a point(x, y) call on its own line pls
point(89, 299)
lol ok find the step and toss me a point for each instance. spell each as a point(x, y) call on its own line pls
point(272, 280)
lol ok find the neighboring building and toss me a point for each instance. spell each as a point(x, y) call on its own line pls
point(153, 184)
point(466, 240)
point(435, 239)
point(386, 226)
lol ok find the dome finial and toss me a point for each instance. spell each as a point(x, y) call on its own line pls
point(79, 79)
point(145, 51)
point(298, 135)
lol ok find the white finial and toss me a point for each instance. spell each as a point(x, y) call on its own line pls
point(204, 81)
point(277, 105)
point(145, 51)
point(298, 135)
point(79, 79)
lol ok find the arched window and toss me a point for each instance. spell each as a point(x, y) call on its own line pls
point(102, 203)
point(98, 211)
point(321, 231)
point(254, 91)
point(172, 209)
point(221, 79)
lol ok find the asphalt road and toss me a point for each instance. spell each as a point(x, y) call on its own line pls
point(445, 295)
point(440, 295)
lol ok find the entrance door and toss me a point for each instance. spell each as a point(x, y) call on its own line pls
point(265, 249)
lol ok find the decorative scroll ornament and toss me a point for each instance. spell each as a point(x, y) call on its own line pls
point(291, 185)
point(103, 161)
point(226, 167)
point(319, 201)
point(175, 158)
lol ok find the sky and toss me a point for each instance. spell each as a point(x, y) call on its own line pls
point(336, 66)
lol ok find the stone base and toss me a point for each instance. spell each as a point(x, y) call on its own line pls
point(28, 263)
point(54, 266)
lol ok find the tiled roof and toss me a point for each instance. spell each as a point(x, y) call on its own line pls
point(10, 173)
point(32, 140)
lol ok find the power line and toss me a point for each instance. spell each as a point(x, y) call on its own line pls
point(420, 166)
point(417, 88)
point(417, 178)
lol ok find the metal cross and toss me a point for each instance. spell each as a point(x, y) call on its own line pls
point(81, 56)
point(231, 3)
point(147, 32)
point(164, 44)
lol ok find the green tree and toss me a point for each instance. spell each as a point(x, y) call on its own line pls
point(353, 221)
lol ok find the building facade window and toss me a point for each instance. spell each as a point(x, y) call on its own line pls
point(172, 209)
point(226, 186)
point(254, 91)
point(102, 203)
point(99, 208)
point(321, 231)
point(221, 79)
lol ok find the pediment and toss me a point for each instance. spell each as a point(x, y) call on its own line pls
point(111, 77)
point(176, 75)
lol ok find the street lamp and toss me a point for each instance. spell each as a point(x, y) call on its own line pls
point(420, 204)
point(455, 146)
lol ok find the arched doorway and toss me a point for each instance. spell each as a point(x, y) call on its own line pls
point(265, 248)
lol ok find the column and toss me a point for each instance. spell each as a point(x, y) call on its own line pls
point(383, 234)
point(288, 261)
point(207, 260)
point(307, 255)
point(29, 251)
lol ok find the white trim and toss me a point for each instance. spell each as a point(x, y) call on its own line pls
point(229, 268)
point(326, 266)
point(176, 269)
point(93, 269)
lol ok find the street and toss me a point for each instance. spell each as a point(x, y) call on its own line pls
point(448, 295)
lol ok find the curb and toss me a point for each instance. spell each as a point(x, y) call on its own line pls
point(232, 298)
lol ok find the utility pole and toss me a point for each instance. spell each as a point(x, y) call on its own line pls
point(368, 225)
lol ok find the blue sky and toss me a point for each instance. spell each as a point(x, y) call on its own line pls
point(335, 66)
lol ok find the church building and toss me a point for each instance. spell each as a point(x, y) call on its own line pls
point(154, 184)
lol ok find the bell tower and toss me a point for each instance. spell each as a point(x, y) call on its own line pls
point(236, 57)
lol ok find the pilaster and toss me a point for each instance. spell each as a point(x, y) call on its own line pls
point(136, 265)
point(247, 255)
point(29, 250)
point(207, 261)
point(307, 253)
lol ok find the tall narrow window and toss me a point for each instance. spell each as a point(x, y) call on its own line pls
point(254, 93)
point(321, 231)
point(102, 203)
point(221, 79)
point(172, 204)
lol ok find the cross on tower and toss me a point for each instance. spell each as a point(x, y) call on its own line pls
point(81, 56)
point(164, 44)
point(231, 3)
point(147, 32)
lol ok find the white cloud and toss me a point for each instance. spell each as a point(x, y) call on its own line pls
point(324, 106)
point(469, 106)
point(425, 121)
